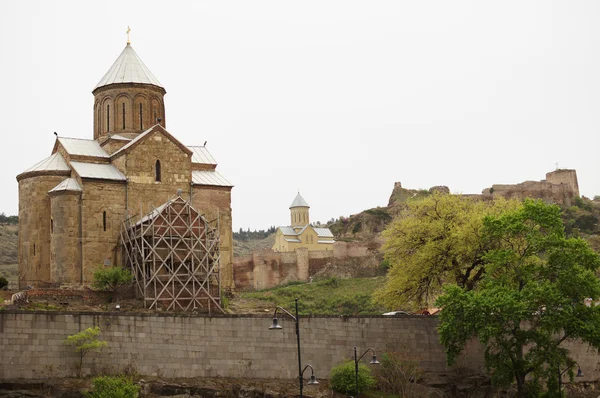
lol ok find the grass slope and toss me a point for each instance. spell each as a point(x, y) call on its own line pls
point(331, 296)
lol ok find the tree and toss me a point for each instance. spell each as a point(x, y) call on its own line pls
point(436, 239)
point(112, 279)
point(530, 300)
point(85, 342)
point(343, 378)
point(113, 387)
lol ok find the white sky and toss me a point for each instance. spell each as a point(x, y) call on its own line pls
point(336, 98)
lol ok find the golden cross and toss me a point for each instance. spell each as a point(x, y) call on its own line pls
point(128, 30)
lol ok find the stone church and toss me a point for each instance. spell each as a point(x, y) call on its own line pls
point(72, 205)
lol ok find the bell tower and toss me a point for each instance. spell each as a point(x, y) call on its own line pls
point(128, 99)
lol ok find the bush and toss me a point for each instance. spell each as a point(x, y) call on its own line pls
point(112, 279)
point(113, 387)
point(398, 373)
point(3, 282)
point(342, 378)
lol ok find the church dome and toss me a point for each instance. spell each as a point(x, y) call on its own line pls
point(128, 68)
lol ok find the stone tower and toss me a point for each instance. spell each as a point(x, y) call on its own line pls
point(128, 99)
point(299, 212)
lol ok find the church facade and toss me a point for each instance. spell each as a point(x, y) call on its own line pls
point(72, 205)
point(301, 234)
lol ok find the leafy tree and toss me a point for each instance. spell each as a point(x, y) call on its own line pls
point(112, 279)
point(343, 378)
point(85, 342)
point(531, 299)
point(113, 387)
point(3, 282)
point(436, 239)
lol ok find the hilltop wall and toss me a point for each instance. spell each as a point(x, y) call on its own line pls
point(266, 268)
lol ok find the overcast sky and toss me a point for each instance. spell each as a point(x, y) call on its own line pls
point(338, 99)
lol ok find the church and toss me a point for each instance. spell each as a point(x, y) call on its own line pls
point(301, 234)
point(73, 204)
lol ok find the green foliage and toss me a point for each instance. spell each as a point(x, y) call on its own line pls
point(113, 387)
point(343, 378)
point(531, 299)
point(398, 373)
point(3, 282)
point(112, 279)
point(242, 235)
point(4, 219)
point(380, 213)
point(331, 296)
point(436, 240)
point(85, 342)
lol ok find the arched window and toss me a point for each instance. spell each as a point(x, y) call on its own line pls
point(107, 118)
point(157, 169)
point(141, 117)
point(104, 220)
point(123, 116)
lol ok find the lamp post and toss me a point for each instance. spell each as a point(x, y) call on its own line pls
point(374, 361)
point(276, 326)
point(560, 374)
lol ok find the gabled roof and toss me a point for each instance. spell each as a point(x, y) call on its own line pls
point(53, 163)
point(201, 155)
point(323, 232)
point(209, 177)
point(70, 184)
point(140, 138)
point(81, 147)
point(299, 202)
point(288, 231)
point(98, 171)
point(128, 68)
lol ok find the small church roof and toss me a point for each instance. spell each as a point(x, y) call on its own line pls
point(128, 68)
point(288, 231)
point(142, 136)
point(98, 171)
point(323, 232)
point(201, 155)
point(83, 147)
point(209, 177)
point(299, 202)
point(70, 184)
point(53, 163)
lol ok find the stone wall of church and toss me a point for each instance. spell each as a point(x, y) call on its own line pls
point(122, 102)
point(103, 211)
point(216, 202)
point(34, 228)
point(65, 264)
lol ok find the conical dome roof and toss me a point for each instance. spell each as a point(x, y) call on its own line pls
point(128, 68)
point(299, 202)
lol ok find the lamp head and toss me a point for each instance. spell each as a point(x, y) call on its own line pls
point(313, 380)
point(579, 372)
point(374, 361)
point(275, 325)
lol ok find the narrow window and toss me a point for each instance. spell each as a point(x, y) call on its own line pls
point(107, 118)
point(123, 116)
point(155, 118)
point(157, 168)
point(141, 113)
point(51, 226)
point(34, 249)
point(104, 220)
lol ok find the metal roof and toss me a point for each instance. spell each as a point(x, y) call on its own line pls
point(293, 240)
point(53, 163)
point(201, 155)
point(323, 232)
point(83, 147)
point(325, 241)
point(98, 171)
point(209, 177)
point(128, 68)
point(288, 231)
point(70, 184)
point(299, 202)
point(136, 139)
point(119, 137)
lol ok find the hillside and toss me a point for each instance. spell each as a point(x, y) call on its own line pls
point(245, 247)
point(8, 244)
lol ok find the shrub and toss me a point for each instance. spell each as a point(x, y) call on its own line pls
point(84, 342)
point(342, 378)
point(398, 373)
point(113, 387)
point(3, 282)
point(112, 279)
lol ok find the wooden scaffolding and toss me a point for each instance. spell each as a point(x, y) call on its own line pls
point(174, 256)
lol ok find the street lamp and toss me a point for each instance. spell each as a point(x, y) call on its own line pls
point(374, 361)
point(560, 374)
point(276, 326)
